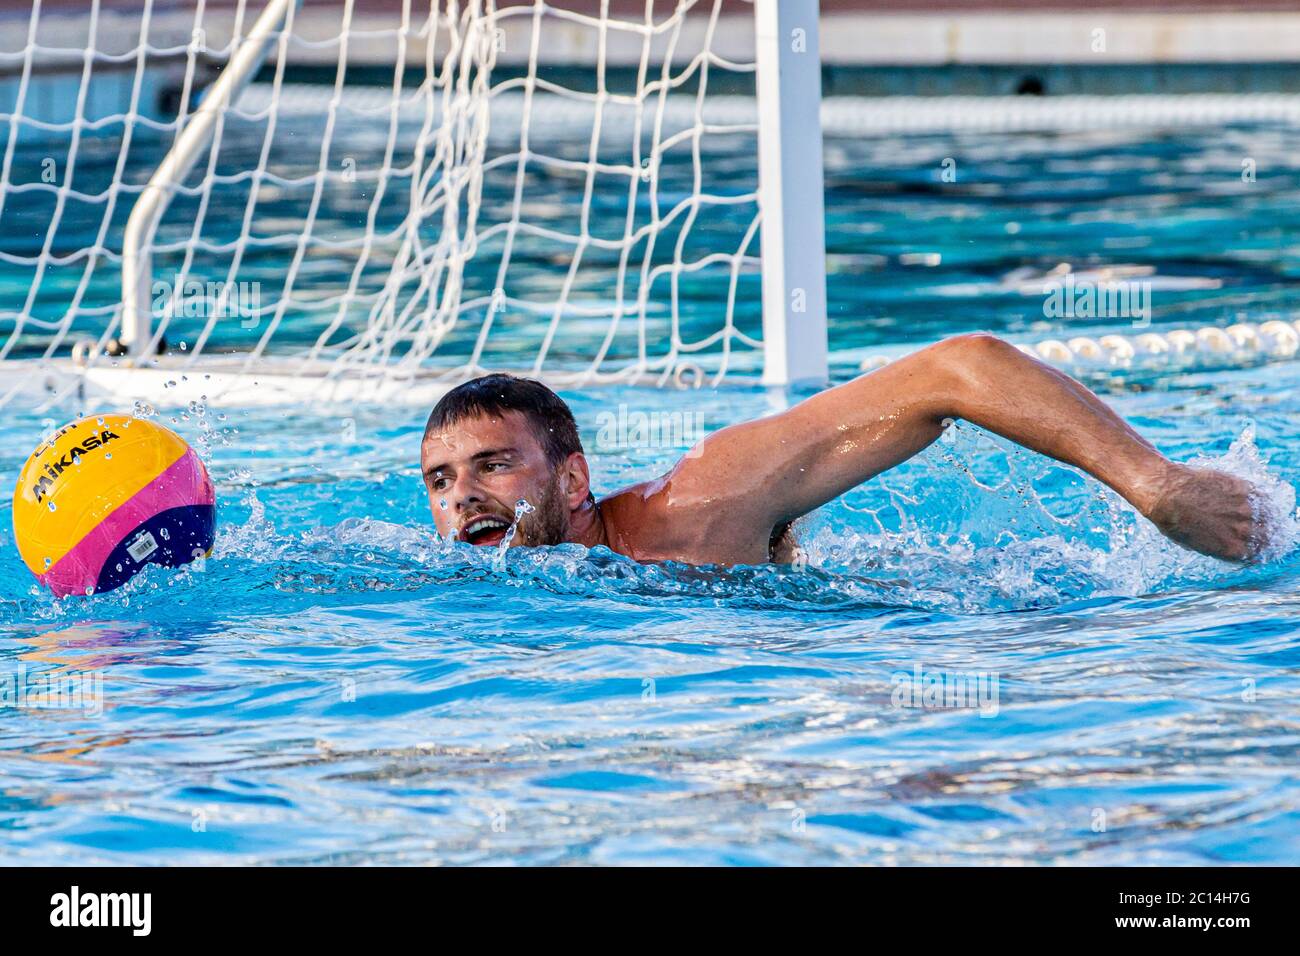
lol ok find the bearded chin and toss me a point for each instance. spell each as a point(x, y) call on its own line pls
point(548, 524)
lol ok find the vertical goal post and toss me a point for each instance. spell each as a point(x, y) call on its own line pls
point(791, 192)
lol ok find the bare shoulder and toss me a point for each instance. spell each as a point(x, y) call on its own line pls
point(671, 519)
point(638, 520)
point(723, 499)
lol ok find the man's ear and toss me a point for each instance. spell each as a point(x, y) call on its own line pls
point(575, 480)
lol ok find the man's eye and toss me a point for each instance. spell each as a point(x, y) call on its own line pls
point(440, 483)
point(495, 465)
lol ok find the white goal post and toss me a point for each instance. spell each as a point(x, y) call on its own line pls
point(572, 190)
point(792, 191)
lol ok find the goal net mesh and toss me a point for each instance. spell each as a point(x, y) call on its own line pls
point(561, 189)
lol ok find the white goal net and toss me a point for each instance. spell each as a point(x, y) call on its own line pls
point(392, 196)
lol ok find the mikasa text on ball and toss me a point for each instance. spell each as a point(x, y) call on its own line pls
point(106, 495)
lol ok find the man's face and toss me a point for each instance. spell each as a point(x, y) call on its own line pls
point(476, 470)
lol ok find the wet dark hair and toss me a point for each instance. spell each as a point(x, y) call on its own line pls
point(552, 422)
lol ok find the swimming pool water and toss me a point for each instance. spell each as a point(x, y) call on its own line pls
point(335, 685)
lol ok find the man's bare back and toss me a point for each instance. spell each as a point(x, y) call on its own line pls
point(497, 440)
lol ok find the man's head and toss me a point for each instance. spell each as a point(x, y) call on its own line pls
point(496, 440)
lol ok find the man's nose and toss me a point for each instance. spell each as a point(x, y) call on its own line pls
point(466, 493)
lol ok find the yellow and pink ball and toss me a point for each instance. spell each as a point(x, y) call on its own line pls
point(107, 495)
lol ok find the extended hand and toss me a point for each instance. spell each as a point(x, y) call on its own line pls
point(1208, 511)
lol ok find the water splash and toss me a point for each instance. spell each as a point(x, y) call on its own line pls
point(256, 538)
point(999, 546)
point(1274, 503)
point(522, 507)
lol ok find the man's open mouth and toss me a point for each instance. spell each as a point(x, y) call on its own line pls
point(485, 530)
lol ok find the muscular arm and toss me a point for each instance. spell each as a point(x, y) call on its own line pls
point(778, 468)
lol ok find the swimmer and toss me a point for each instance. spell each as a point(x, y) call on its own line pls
point(498, 439)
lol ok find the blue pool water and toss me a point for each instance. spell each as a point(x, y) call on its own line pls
point(336, 685)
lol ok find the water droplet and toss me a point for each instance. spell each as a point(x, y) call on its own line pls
point(100, 419)
point(90, 589)
point(164, 534)
point(522, 507)
point(48, 562)
point(442, 503)
point(108, 456)
point(52, 508)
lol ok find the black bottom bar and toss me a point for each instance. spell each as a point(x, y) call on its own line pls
point(333, 906)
